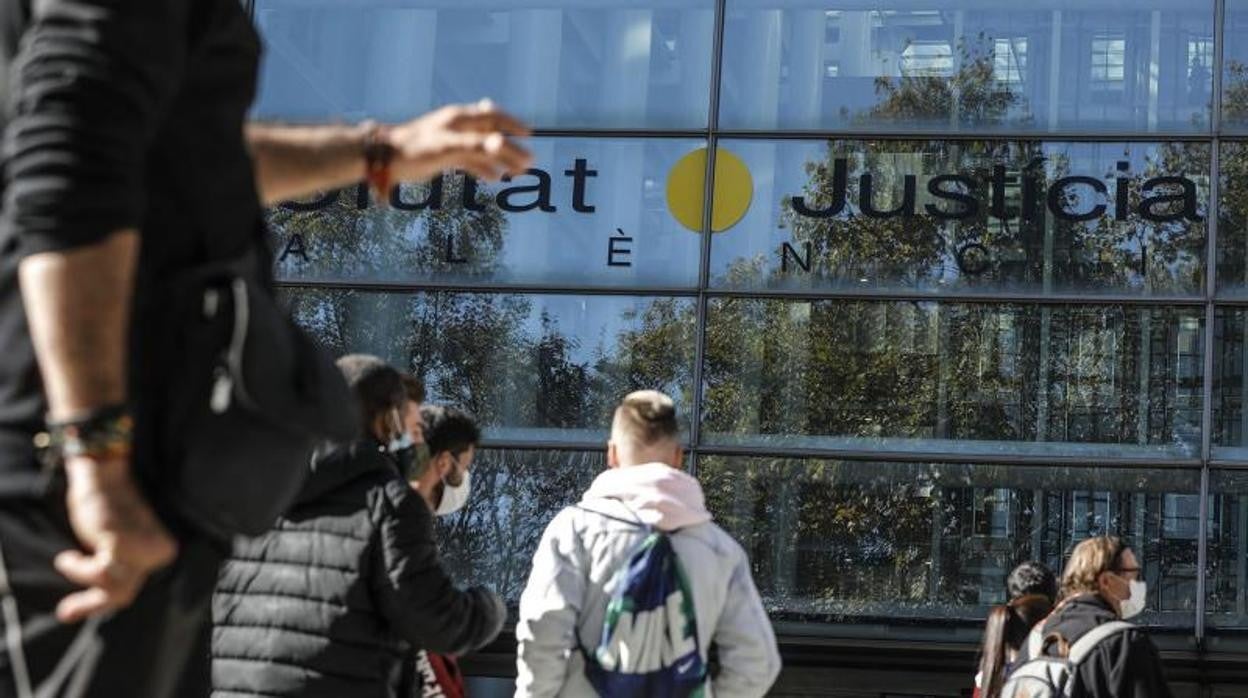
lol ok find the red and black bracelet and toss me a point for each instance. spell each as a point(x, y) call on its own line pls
point(378, 157)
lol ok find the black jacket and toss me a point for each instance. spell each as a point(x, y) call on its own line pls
point(1124, 665)
point(329, 603)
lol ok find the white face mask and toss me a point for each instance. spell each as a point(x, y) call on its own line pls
point(454, 497)
point(1134, 604)
point(401, 442)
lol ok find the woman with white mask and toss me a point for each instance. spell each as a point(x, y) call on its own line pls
point(1104, 582)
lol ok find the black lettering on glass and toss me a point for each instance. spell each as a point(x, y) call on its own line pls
point(296, 246)
point(469, 198)
point(432, 200)
point(451, 257)
point(786, 249)
point(541, 189)
point(325, 201)
point(579, 173)
point(1057, 198)
point(840, 174)
point(866, 194)
point(967, 205)
point(1186, 199)
point(617, 255)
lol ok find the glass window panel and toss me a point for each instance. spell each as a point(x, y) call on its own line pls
point(1052, 66)
point(849, 541)
point(977, 216)
point(1233, 220)
point(1230, 384)
point(515, 494)
point(566, 63)
point(1076, 381)
point(545, 368)
point(1227, 575)
point(591, 212)
point(1235, 67)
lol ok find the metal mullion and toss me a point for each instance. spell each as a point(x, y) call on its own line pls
point(1045, 136)
point(882, 295)
point(873, 455)
point(954, 297)
point(1236, 302)
point(868, 455)
point(1211, 292)
point(917, 135)
point(623, 133)
point(708, 210)
point(1227, 464)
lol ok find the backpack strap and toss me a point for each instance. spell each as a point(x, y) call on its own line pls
point(618, 519)
point(1035, 641)
point(1084, 645)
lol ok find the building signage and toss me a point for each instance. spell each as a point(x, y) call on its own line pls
point(1002, 194)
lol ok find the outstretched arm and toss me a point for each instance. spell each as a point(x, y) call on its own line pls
point(295, 161)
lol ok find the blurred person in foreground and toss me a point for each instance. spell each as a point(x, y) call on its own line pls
point(1031, 591)
point(127, 164)
point(589, 552)
point(331, 602)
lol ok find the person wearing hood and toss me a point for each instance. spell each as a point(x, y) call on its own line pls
point(1102, 583)
point(564, 603)
point(331, 601)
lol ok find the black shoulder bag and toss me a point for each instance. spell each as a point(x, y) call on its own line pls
point(247, 402)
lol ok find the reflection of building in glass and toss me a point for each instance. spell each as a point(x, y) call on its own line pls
point(987, 297)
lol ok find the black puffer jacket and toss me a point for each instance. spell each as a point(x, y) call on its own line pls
point(1125, 665)
point(330, 602)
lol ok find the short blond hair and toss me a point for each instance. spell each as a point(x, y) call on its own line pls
point(646, 418)
point(1088, 561)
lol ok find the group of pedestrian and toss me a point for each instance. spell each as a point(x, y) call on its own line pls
point(347, 596)
point(1074, 641)
point(194, 499)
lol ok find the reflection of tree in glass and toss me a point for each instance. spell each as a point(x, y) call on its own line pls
point(352, 239)
point(514, 495)
point(479, 352)
point(971, 97)
point(833, 540)
point(1235, 93)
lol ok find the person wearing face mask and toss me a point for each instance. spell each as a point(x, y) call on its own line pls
point(332, 601)
point(451, 437)
point(440, 474)
point(411, 450)
point(1103, 583)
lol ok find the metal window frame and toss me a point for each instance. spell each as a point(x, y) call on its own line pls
point(1215, 135)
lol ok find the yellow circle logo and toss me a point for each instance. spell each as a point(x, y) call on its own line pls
point(686, 189)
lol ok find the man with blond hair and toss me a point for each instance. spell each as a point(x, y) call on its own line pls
point(563, 607)
point(1102, 583)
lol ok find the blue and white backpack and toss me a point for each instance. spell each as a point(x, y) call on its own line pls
point(649, 646)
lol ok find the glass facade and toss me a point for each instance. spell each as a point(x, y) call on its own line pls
point(938, 285)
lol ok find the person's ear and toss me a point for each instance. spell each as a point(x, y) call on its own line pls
point(613, 455)
point(444, 462)
point(1105, 583)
